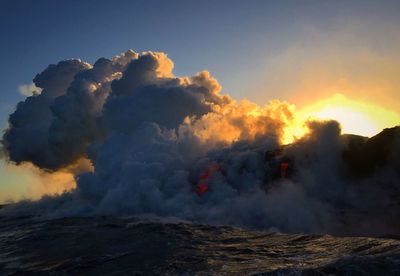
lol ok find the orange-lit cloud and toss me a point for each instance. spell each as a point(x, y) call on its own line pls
point(242, 121)
point(27, 182)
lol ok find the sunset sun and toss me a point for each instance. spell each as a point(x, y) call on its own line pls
point(355, 117)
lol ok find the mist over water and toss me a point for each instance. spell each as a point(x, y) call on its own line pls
point(151, 137)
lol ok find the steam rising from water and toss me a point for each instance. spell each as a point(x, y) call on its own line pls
point(150, 135)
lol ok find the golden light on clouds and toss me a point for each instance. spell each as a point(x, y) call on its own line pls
point(27, 182)
point(355, 117)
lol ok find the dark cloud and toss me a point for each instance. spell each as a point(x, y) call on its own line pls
point(26, 139)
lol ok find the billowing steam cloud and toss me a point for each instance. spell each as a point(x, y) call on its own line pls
point(152, 137)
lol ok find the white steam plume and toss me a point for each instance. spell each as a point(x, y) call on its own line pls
point(151, 137)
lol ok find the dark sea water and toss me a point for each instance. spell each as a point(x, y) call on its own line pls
point(131, 246)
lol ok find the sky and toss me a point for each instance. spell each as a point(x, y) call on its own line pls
point(303, 52)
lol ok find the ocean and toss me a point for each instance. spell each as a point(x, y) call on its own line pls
point(138, 246)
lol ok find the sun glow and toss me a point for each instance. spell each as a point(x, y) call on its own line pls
point(355, 117)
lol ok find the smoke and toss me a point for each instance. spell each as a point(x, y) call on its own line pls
point(26, 182)
point(151, 137)
point(29, 89)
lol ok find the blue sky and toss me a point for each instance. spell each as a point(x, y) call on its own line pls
point(234, 40)
point(258, 50)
